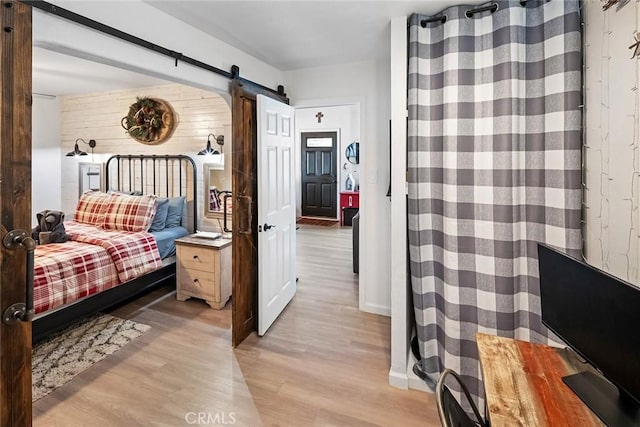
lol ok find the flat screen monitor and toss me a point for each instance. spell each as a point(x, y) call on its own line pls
point(598, 316)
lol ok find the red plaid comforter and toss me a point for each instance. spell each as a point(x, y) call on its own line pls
point(70, 271)
point(133, 253)
point(95, 260)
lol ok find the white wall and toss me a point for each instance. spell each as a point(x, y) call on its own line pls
point(45, 155)
point(366, 84)
point(401, 311)
point(345, 121)
point(612, 149)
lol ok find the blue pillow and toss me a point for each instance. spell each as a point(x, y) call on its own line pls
point(160, 218)
point(174, 215)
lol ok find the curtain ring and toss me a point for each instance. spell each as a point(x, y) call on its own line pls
point(493, 8)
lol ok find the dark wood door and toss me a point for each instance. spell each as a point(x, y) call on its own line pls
point(319, 174)
point(15, 208)
point(245, 209)
point(245, 215)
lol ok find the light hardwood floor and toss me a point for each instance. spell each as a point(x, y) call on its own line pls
point(323, 363)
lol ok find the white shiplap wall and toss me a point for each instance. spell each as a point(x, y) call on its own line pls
point(98, 115)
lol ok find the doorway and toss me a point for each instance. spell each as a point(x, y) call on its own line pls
point(319, 174)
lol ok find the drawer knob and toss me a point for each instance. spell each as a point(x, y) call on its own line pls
point(195, 257)
point(196, 281)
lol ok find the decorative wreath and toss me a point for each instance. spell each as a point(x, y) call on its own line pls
point(149, 121)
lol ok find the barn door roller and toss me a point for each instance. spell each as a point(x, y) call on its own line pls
point(24, 312)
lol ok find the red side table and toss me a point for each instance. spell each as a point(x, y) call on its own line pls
point(348, 199)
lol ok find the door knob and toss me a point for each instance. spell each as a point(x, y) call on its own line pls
point(268, 227)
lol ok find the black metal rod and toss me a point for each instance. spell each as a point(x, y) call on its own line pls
point(130, 173)
point(142, 172)
point(490, 7)
point(441, 19)
point(180, 176)
point(106, 29)
point(166, 176)
point(154, 175)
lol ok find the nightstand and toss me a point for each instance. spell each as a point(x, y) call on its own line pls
point(203, 268)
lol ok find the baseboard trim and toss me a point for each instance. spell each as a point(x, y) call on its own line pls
point(398, 379)
point(376, 309)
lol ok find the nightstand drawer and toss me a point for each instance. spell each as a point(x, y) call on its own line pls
point(200, 283)
point(197, 258)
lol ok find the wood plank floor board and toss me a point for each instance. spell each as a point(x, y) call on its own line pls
point(323, 363)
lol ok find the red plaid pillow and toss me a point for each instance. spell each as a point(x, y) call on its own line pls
point(129, 213)
point(91, 208)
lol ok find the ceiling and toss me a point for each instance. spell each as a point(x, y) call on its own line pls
point(59, 74)
point(285, 34)
point(291, 35)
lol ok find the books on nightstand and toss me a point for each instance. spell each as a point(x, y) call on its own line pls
point(207, 235)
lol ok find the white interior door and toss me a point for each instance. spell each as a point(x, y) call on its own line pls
point(276, 211)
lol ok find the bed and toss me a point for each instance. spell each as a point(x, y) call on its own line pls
point(121, 241)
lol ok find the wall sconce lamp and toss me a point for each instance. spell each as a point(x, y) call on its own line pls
point(209, 150)
point(76, 149)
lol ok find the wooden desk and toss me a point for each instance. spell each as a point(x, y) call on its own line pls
point(523, 384)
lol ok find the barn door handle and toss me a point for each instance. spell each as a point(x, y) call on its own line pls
point(21, 311)
point(224, 210)
point(245, 207)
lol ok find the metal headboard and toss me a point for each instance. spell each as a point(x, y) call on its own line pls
point(162, 175)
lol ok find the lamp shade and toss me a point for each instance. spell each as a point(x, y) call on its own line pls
point(208, 151)
point(76, 152)
point(76, 149)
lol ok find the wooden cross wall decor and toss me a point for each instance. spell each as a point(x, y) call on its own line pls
point(319, 116)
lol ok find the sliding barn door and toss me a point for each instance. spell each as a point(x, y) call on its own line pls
point(246, 198)
point(276, 211)
point(15, 210)
point(245, 214)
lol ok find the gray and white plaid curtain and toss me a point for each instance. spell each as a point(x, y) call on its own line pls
point(494, 167)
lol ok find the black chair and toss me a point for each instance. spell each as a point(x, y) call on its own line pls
point(355, 236)
point(450, 411)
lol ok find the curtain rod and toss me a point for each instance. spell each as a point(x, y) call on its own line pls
point(441, 19)
point(468, 13)
point(177, 56)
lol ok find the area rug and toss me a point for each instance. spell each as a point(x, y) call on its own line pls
point(65, 355)
point(327, 222)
